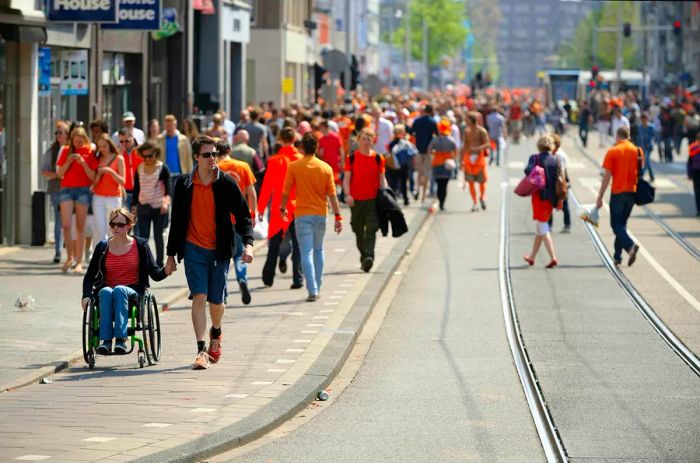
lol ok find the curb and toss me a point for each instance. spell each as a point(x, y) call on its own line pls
point(303, 391)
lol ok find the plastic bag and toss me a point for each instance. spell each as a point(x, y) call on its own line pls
point(591, 214)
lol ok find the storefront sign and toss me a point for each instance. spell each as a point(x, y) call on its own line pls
point(104, 11)
point(169, 26)
point(287, 85)
point(144, 15)
point(44, 71)
point(74, 72)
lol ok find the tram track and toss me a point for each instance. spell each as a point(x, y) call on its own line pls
point(548, 434)
point(677, 237)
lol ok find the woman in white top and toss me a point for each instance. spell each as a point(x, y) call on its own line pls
point(151, 196)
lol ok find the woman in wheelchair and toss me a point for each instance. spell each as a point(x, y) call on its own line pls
point(120, 268)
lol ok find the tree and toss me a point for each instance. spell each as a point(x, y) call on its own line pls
point(485, 17)
point(446, 32)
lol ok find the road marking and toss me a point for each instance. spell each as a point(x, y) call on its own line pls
point(315, 324)
point(156, 425)
point(285, 361)
point(276, 370)
point(340, 291)
point(664, 184)
point(326, 311)
point(331, 303)
point(575, 165)
point(99, 439)
point(516, 164)
point(237, 396)
point(293, 351)
point(340, 250)
point(301, 341)
point(204, 410)
point(261, 383)
point(321, 317)
point(33, 457)
point(656, 265)
point(309, 331)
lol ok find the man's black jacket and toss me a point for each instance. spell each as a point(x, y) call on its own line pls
point(228, 199)
point(389, 211)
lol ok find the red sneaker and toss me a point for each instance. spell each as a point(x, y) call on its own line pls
point(214, 350)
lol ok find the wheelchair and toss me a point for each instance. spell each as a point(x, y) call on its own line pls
point(143, 320)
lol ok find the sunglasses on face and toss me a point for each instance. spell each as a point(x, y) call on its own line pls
point(148, 156)
point(208, 154)
point(125, 141)
point(60, 132)
point(117, 224)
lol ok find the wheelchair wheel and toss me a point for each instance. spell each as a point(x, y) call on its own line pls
point(151, 329)
point(88, 333)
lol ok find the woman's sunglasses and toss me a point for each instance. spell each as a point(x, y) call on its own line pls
point(148, 156)
point(117, 225)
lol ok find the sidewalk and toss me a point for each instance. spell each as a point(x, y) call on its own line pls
point(277, 353)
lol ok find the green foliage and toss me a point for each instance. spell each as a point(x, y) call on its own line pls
point(446, 33)
point(578, 52)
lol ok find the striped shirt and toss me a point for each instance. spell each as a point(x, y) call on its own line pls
point(152, 190)
point(122, 269)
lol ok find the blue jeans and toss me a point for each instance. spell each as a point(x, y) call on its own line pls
point(239, 266)
point(647, 161)
point(621, 205)
point(310, 230)
point(57, 230)
point(114, 306)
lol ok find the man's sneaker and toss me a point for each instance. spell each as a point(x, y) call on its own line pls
point(617, 262)
point(566, 229)
point(296, 286)
point(245, 293)
point(633, 255)
point(214, 350)
point(283, 266)
point(201, 362)
point(120, 346)
point(483, 204)
point(312, 298)
point(105, 347)
point(367, 264)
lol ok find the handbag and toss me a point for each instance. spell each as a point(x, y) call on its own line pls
point(645, 193)
point(532, 182)
point(450, 164)
point(561, 186)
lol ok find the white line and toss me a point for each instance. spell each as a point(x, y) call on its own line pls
point(284, 361)
point(261, 383)
point(33, 457)
point(331, 303)
point(156, 425)
point(326, 311)
point(203, 410)
point(309, 331)
point(301, 341)
point(294, 351)
point(276, 370)
point(321, 317)
point(237, 396)
point(101, 439)
point(317, 325)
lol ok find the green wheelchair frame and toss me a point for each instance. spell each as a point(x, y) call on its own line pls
point(143, 318)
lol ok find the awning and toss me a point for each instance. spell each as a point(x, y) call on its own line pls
point(22, 25)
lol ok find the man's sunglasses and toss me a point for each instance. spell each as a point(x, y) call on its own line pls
point(209, 154)
point(117, 225)
point(124, 141)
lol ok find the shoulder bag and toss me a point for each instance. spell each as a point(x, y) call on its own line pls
point(645, 193)
point(532, 182)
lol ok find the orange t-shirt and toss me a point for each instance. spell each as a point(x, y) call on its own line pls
point(107, 186)
point(621, 160)
point(75, 176)
point(202, 227)
point(241, 173)
point(364, 178)
point(314, 182)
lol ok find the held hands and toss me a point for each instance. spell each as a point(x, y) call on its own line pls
point(247, 256)
point(170, 266)
point(84, 303)
point(260, 217)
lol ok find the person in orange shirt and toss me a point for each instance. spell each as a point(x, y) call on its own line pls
point(622, 163)
point(245, 179)
point(108, 185)
point(314, 183)
point(474, 154)
point(201, 233)
point(271, 193)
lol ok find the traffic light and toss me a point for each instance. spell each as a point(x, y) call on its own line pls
point(676, 27)
point(594, 72)
point(627, 29)
point(354, 75)
point(318, 76)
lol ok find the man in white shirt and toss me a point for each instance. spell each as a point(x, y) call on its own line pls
point(128, 122)
point(384, 130)
point(496, 124)
point(618, 120)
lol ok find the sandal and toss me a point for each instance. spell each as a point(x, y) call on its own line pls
point(529, 261)
point(78, 268)
point(552, 264)
point(66, 265)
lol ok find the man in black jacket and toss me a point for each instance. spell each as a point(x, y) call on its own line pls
point(201, 233)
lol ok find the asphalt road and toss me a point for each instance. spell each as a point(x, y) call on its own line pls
point(438, 383)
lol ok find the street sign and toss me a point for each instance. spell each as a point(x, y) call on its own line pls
point(74, 75)
point(44, 71)
point(169, 25)
point(335, 61)
point(95, 11)
point(373, 84)
point(143, 15)
point(287, 85)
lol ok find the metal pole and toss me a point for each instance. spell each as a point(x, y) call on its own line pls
point(594, 46)
point(618, 51)
point(407, 45)
point(190, 59)
point(348, 55)
point(95, 73)
point(426, 71)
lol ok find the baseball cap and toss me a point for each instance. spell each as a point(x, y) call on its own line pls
point(128, 116)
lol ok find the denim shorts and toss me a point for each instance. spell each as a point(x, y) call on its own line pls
point(205, 275)
point(80, 195)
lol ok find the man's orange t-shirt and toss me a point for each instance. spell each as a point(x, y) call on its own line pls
point(364, 178)
point(622, 162)
point(314, 182)
point(202, 227)
point(241, 173)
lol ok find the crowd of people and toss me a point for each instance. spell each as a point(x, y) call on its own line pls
point(207, 185)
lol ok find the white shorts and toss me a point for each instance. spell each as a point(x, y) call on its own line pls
point(541, 228)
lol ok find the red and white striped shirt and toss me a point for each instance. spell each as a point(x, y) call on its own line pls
point(122, 269)
point(152, 189)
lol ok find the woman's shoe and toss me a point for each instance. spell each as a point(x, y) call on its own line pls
point(105, 347)
point(529, 261)
point(78, 268)
point(552, 263)
point(120, 346)
point(66, 265)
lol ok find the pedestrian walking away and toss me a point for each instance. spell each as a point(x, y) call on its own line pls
point(621, 165)
point(424, 128)
point(201, 233)
point(405, 154)
point(152, 197)
point(474, 154)
point(120, 268)
point(53, 188)
point(585, 119)
point(645, 140)
point(443, 151)
point(498, 134)
point(543, 202)
point(314, 183)
point(271, 193)
point(175, 148)
point(693, 170)
point(108, 185)
point(364, 176)
point(76, 166)
point(131, 162)
point(562, 160)
point(244, 178)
